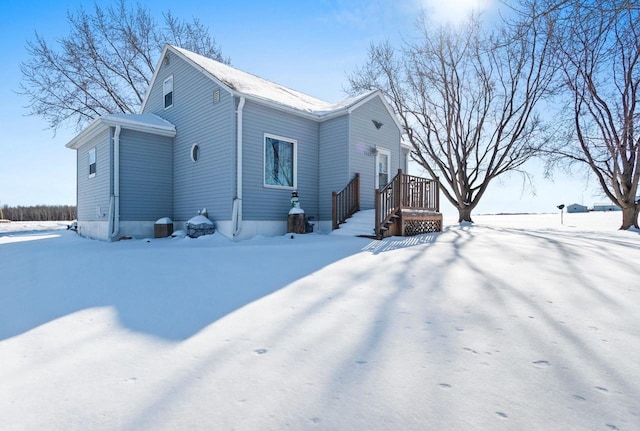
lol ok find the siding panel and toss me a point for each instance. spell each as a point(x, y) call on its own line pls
point(262, 203)
point(364, 137)
point(209, 182)
point(94, 193)
point(146, 176)
point(334, 161)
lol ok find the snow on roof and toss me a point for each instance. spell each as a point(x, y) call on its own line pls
point(139, 120)
point(148, 123)
point(258, 88)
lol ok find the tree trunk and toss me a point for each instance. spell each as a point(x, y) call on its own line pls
point(630, 217)
point(464, 214)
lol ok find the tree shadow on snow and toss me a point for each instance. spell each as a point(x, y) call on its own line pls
point(167, 288)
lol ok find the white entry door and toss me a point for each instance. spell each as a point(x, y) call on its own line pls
point(383, 160)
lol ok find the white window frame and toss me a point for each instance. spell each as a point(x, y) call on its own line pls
point(93, 157)
point(264, 162)
point(166, 90)
point(386, 152)
point(195, 148)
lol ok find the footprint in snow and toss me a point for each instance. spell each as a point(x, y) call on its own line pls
point(445, 385)
point(542, 364)
point(579, 398)
point(502, 415)
point(612, 427)
point(601, 389)
point(361, 362)
point(316, 420)
point(261, 351)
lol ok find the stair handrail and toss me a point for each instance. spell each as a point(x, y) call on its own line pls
point(346, 202)
point(387, 203)
point(404, 192)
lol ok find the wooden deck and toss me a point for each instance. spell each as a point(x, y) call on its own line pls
point(408, 205)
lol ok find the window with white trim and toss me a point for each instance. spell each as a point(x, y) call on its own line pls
point(195, 152)
point(383, 159)
point(92, 163)
point(167, 92)
point(280, 162)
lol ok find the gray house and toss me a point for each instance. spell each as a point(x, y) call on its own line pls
point(211, 136)
point(577, 208)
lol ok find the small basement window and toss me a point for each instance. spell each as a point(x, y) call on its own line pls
point(92, 163)
point(167, 91)
point(195, 152)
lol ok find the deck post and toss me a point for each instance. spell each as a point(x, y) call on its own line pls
point(437, 194)
point(357, 185)
point(377, 212)
point(334, 210)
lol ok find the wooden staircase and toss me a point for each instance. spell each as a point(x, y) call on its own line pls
point(346, 202)
point(407, 206)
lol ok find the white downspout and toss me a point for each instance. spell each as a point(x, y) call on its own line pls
point(114, 207)
point(237, 202)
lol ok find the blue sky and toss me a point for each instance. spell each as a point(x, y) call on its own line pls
point(309, 46)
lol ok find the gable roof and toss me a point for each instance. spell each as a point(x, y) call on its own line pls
point(148, 123)
point(243, 84)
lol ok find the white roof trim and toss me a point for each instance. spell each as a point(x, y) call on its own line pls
point(147, 123)
point(256, 89)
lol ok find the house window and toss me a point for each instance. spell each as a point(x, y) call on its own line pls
point(92, 163)
point(383, 157)
point(167, 91)
point(195, 152)
point(280, 162)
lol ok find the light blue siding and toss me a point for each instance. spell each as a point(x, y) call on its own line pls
point(146, 176)
point(364, 138)
point(262, 203)
point(334, 161)
point(209, 182)
point(94, 193)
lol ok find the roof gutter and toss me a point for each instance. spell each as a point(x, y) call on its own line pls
point(237, 202)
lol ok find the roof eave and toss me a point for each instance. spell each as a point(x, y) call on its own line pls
point(102, 123)
point(93, 130)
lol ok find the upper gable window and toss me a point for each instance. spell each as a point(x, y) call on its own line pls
point(92, 163)
point(167, 91)
point(280, 162)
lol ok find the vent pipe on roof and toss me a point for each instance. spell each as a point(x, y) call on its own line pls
point(237, 202)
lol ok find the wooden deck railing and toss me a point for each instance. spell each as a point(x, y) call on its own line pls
point(346, 202)
point(404, 192)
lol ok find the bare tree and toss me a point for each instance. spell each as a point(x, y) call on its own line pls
point(105, 63)
point(598, 47)
point(466, 98)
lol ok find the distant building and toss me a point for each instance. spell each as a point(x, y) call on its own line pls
point(577, 208)
point(604, 206)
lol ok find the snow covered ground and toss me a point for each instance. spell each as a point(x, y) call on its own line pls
point(514, 323)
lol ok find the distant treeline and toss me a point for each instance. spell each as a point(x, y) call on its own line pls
point(39, 213)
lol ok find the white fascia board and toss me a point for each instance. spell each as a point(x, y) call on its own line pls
point(250, 97)
point(202, 70)
point(374, 94)
point(93, 130)
point(102, 123)
point(154, 129)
